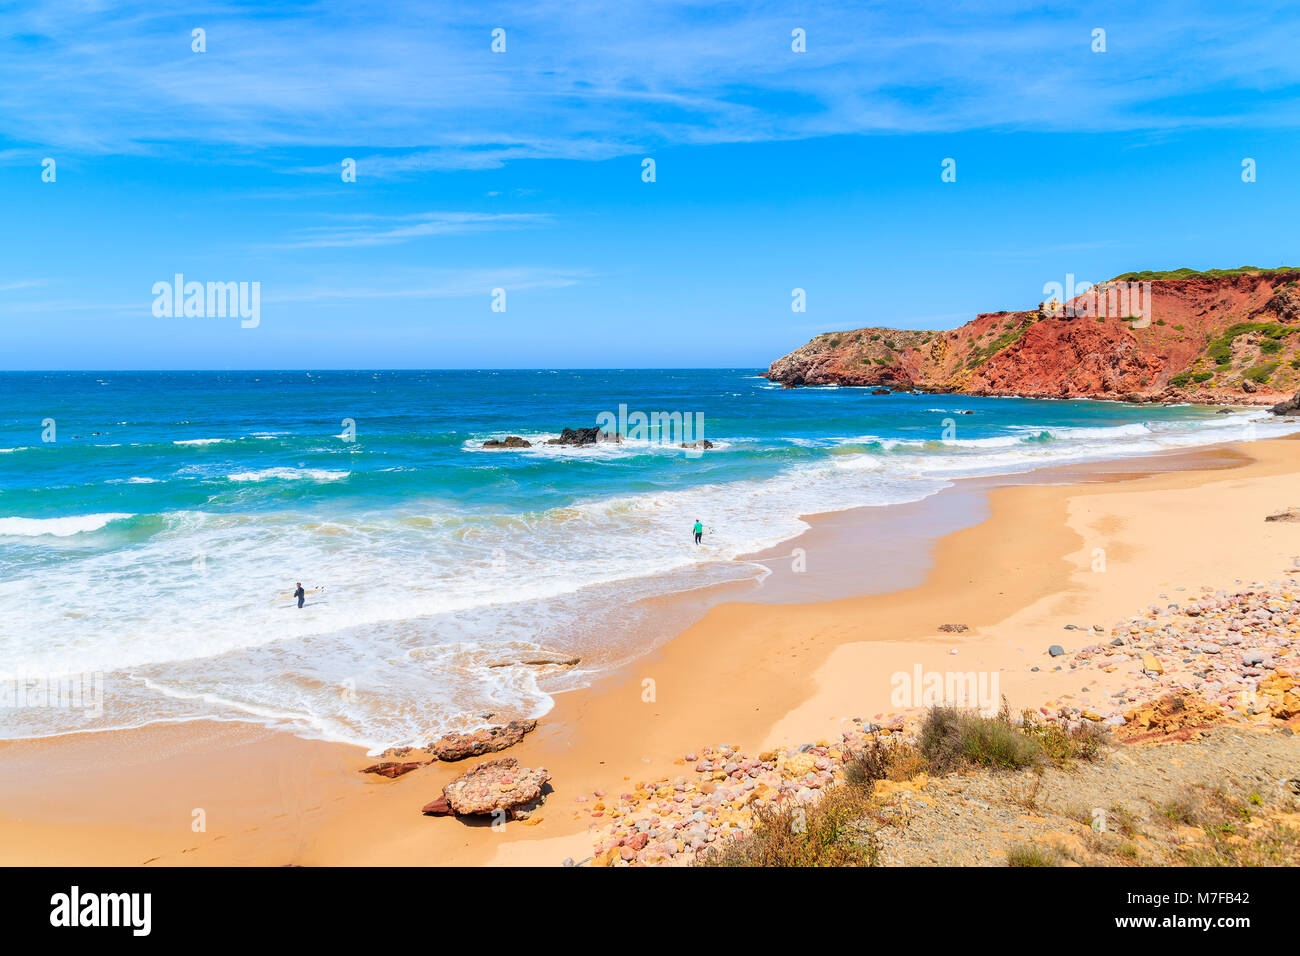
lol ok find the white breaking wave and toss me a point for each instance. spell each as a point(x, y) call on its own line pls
point(56, 527)
point(289, 474)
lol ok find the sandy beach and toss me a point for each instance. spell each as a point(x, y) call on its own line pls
point(1014, 560)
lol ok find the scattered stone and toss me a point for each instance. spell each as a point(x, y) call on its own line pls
point(510, 441)
point(438, 808)
point(392, 768)
point(953, 628)
point(1056, 650)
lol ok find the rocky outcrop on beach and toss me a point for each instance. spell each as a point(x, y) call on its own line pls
point(452, 747)
point(494, 786)
point(1209, 338)
point(1287, 406)
point(510, 441)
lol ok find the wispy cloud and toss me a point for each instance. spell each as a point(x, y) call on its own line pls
point(396, 284)
point(16, 285)
point(374, 230)
point(416, 86)
point(433, 284)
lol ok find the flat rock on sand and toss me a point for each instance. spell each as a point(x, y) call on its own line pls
point(495, 785)
point(490, 740)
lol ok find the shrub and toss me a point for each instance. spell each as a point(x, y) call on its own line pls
point(1220, 349)
point(1203, 376)
point(1031, 854)
point(1185, 273)
point(950, 737)
point(868, 765)
point(1179, 380)
point(1270, 346)
point(1060, 744)
point(1261, 373)
point(826, 833)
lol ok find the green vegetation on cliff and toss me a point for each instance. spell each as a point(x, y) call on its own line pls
point(1158, 275)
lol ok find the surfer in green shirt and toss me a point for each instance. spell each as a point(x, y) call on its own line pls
point(699, 531)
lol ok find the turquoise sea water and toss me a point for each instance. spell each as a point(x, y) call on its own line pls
point(156, 538)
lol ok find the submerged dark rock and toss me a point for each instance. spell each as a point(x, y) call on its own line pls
point(510, 441)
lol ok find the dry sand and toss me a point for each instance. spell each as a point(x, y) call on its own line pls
point(1023, 564)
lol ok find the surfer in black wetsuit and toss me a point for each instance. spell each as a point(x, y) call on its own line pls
point(300, 594)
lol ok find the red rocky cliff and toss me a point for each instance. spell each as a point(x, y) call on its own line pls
point(1212, 338)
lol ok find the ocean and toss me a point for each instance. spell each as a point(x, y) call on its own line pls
point(155, 541)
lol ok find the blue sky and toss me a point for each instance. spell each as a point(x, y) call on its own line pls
point(522, 170)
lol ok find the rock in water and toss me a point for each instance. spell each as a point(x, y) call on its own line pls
point(495, 785)
point(1288, 406)
point(459, 746)
point(583, 436)
point(510, 441)
point(702, 443)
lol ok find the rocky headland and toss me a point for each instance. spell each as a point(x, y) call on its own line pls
point(1220, 337)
